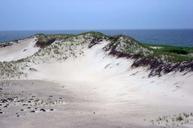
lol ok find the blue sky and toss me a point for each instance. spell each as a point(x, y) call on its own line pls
point(95, 14)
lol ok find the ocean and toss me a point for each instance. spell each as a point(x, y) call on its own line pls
point(164, 37)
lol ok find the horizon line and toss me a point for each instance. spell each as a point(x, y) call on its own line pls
point(97, 29)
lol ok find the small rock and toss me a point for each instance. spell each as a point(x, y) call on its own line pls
point(33, 70)
point(4, 100)
point(24, 104)
point(1, 112)
point(32, 111)
point(21, 100)
point(17, 114)
point(43, 110)
point(10, 99)
point(6, 105)
point(37, 100)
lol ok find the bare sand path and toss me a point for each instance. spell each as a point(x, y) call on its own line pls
point(42, 104)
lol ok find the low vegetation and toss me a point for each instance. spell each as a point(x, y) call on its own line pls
point(173, 121)
point(159, 58)
point(171, 53)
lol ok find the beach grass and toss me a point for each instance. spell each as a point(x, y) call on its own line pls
point(171, 53)
point(167, 53)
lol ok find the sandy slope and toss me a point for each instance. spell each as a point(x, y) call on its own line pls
point(101, 78)
point(16, 51)
point(101, 91)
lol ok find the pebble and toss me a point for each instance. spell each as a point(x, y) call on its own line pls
point(6, 105)
point(10, 99)
point(43, 110)
point(17, 114)
point(24, 104)
point(4, 100)
point(28, 104)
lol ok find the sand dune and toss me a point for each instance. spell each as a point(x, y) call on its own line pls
point(19, 50)
point(99, 91)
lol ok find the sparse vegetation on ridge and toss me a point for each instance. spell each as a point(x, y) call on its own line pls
point(171, 54)
point(159, 58)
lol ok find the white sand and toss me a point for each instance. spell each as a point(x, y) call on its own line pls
point(16, 51)
point(155, 47)
point(118, 95)
point(102, 78)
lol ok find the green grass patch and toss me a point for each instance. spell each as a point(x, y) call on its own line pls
point(171, 53)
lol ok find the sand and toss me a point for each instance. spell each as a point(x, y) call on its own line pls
point(19, 50)
point(96, 90)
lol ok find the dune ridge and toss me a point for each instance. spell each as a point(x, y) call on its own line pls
point(101, 69)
